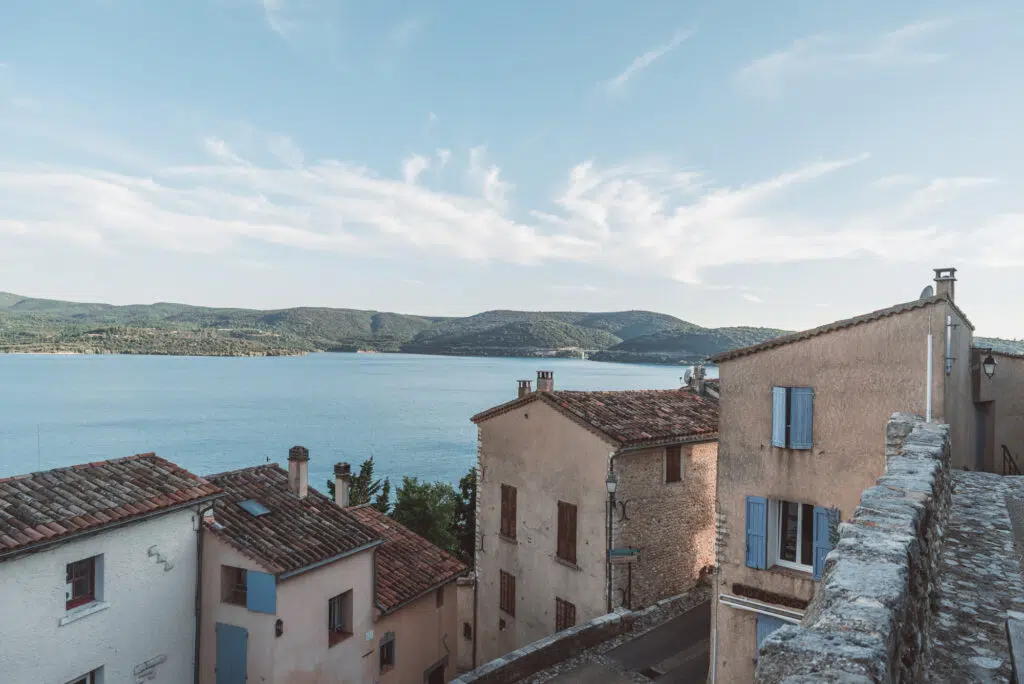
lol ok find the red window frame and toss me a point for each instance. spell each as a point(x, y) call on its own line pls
point(81, 571)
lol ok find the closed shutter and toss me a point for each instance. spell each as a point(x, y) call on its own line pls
point(822, 537)
point(673, 464)
point(261, 592)
point(801, 422)
point(567, 532)
point(508, 511)
point(757, 532)
point(766, 624)
point(507, 592)
point(779, 416)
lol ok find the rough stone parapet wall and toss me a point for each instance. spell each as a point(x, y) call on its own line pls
point(871, 618)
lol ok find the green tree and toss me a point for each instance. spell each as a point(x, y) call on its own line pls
point(383, 501)
point(364, 487)
point(465, 517)
point(428, 509)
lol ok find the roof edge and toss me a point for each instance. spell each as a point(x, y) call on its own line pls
point(448, 580)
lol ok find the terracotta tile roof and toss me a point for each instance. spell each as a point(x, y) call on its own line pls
point(38, 508)
point(630, 418)
point(296, 533)
point(839, 325)
point(408, 565)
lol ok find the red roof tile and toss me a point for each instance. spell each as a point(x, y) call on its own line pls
point(408, 565)
point(44, 506)
point(296, 533)
point(630, 418)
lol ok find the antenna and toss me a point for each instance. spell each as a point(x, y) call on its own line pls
point(687, 376)
point(927, 292)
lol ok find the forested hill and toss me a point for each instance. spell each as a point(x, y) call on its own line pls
point(44, 325)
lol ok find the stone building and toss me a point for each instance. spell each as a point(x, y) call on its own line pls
point(801, 438)
point(554, 547)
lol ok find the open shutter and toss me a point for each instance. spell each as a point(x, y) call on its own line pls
point(504, 509)
point(766, 624)
point(757, 532)
point(571, 532)
point(801, 411)
point(779, 416)
point(822, 538)
point(261, 592)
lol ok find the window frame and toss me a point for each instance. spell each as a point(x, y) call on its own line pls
point(339, 617)
point(87, 678)
point(563, 610)
point(775, 535)
point(386, 648)
point(674, 454)
point(507, 593)
point(566, 548)
point(72, 601)
point(232, 591)
point(508, 525)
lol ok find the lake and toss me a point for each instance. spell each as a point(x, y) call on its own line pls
point(211, 414)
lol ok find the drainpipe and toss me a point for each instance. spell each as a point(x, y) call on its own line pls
point(199, 587)
point(928, 383)
point(608, 551)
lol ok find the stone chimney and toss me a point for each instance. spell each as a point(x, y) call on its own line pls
point(698, 378)
point(545, 381)
point(298, 471)
point(342, 484)
point(945, 282)
point(524, 388)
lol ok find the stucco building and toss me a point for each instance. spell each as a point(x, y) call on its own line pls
point(98, 579)
point(554, 548)
point(300, 589)
point(801, 438)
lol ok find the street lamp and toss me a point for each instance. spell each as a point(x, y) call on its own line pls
point(613, 480)
point(611, 483)
point(988, 365)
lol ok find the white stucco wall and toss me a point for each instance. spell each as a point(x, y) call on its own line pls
point(149, 615)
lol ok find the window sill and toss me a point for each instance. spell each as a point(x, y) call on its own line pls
point(387, 668)
point(568, 564)
point(335, 638)
point(807, 574)
point(505, 537)
point(76, 614)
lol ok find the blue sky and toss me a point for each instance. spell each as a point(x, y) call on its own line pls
point(780, 164)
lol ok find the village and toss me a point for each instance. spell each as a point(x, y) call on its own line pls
point(839, 504)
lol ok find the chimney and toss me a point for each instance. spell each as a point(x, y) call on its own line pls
point(545, 381)
point(298, 471)
point(698, 378)
point(945, 282)
point(342, 484)
point(524, 388)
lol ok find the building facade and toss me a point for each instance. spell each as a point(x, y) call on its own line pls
point(98, 572)
point(547, 526)
point(801, 439)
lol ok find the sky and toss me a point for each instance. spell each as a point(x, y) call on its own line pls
point(781, 164)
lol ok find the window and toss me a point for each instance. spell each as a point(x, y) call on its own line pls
point(387, 652)
point(565, 614)
point(467, 631)
point(339, 618)
point(507, 593)
point(508, 511)
point(439, 597)
point(788, 534)
point(88, 678)
point(673, 463)
point(232, 585)
point(81, 583)
point(793, 417)
point(567, 532)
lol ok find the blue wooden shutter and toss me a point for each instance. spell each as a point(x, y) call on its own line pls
point(801, 418)
point(261, 592)
point(822, 538)
point(757, 532)
point(779, 416)
point(231, 654)
point(766, 624)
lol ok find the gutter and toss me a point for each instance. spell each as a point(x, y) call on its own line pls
point(75, 536)
point(199, 586)
point(320, 564)
point(790, 615)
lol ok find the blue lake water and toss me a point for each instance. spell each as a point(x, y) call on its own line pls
point(212, 414)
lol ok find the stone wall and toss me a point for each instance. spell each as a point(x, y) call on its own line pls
point(871, 620)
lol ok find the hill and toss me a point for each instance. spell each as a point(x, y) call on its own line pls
point(47, 325)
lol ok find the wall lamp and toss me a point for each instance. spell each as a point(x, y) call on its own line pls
point(989, 366)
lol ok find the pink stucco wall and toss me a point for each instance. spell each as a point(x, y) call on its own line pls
point(425, 636)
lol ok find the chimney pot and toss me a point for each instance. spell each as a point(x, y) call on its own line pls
point(298, 471)
point(945, 282)
point(545, 381)
point(342, 484)
point(524, 388)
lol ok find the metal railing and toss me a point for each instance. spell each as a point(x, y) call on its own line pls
point(1010, 466)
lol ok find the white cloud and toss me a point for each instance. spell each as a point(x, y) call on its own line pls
point(443, 155)
point(900, 47)
point(285, 149)
point(431, 119)
point(413, 166)
point(645, 60)
point(752, 298)
point(218, 149)
point(488, 177)
point(276, 13)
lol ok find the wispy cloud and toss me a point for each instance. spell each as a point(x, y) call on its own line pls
point(276, 13)
point(645, 60)
point(413, 166)
point(218, 149)
point(901, 47)
point(443, 155)
point(402, 33)
point(431, 118)
point(285, 149)
point(752, 298)
point(488, 177)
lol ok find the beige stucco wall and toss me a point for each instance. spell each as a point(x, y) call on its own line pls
point(672, 523)
point(464, 591)
point(548, 458)
point(860, 375)
point(301, 655)
point(958, 398)
point(424, 635)
point(1005, 420)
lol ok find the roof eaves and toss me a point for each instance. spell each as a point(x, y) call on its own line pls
point(637, 445)
point(447, 580)
point(504, 408)
point(327, 561)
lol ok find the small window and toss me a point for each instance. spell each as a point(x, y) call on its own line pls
point(253, 507)
point(233, 585)
point(567, 532)
point(673, 463)
point(387, 652)
point(508, 511)
point(565, 614)
point(81, 583)
point(467, 631)
point(439, 597)
point(793, 417)
point(88, 678)
point(339, 618)
point(507, 593)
